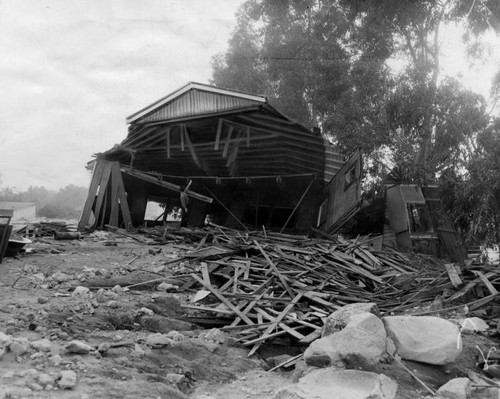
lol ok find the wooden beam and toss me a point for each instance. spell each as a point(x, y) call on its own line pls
point(115, 203)
point(94, 184)
point(122, 195)
point(182, 129)
point(234, 151)
point(218, 134)
point(103, 185)
point(278, 320)
point(224, 300)
point(162, 183)
point(228, 140)
point(298, 204)
point(191, 148)
point(168, 142)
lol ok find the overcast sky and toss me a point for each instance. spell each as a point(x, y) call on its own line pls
point(71, 71)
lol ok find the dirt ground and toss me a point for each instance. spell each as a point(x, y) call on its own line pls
point(37, 301)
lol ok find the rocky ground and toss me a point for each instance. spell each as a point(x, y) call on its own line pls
point(77, 321)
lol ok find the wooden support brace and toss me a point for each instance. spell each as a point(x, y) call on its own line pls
point(168, 142)
point(94, 184)
point(296, 206)
point(103, 185)
point(182, 128)
point(162, 183)
point(191, 148)
point(122, 195)
point(115, 203)
point(219, 132)
point(228, 140)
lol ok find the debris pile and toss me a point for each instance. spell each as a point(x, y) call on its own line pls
point(266, 285)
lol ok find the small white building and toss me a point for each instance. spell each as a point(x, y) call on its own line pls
point(18, 211)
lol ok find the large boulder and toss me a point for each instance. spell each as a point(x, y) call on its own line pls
point(345, 384)
point(457, 388)
point(425, 339)
point(361, 343)
point(340, 318)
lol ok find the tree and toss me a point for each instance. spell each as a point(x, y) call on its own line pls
point(301, 55)
point(474, 198)
point(325, 62)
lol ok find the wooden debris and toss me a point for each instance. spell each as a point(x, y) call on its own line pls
point(264, 285)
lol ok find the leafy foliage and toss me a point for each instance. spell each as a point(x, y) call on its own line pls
point(326, 62)
point(474, 199)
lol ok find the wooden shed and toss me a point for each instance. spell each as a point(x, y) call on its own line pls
point(416, 219)
point(18, 211)
point(250, 165)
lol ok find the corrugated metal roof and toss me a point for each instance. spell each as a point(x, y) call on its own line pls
point(195, 99)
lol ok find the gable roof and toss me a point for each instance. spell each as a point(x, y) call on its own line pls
point(196, 99)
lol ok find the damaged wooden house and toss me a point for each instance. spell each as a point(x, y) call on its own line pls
point(250, 166)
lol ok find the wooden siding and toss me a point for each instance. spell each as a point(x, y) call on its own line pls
point(195, 103)
point(343, 194)
point(333, 162)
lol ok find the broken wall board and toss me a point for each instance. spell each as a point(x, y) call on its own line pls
point(106, 178)
point(342, 195)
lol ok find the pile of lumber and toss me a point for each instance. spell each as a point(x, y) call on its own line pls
point(265, 285)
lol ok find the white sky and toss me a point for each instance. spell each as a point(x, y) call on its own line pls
point(71, 71)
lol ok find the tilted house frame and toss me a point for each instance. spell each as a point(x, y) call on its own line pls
point(250, 165)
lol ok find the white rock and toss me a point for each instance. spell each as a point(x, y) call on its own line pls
point(215, 335)
point(61, 277)
point(137, 351)
point(19, 346)
point(55, 360)
point(340, 318)
point(80, 291)
point(5, 339)
point(457, 388)
point(175, 335)
point(175, 378)
point(145, 311)
point(42, 345)
point(117, 289)
point(78, 347)
point(67, 379)
point(45, 379)
point(346, 384)
point(424, 339)
point(362, 342)
point(112, 304)
point(158, 340)
point(166, 287)
point(473, 325)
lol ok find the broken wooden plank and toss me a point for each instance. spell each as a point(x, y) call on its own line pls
point(223, 300)
point(486, 282)
point(273, 267)
point(278, 319)
point(455, 279)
